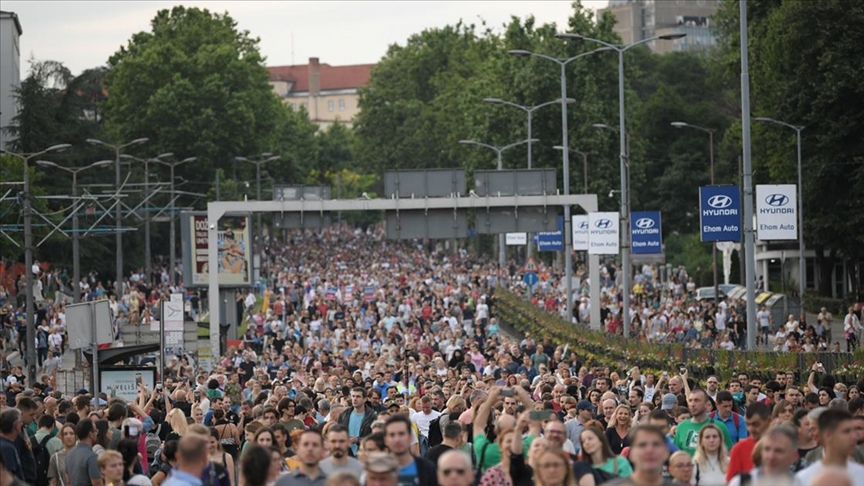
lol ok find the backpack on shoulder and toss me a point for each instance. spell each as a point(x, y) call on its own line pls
point(43, 459)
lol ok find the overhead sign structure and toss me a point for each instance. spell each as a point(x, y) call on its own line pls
point(580, 232)
point(720, 213)
point(516, 239)
point(646, 236)
point(604, 233)
point(776, 212)
point(551, 240)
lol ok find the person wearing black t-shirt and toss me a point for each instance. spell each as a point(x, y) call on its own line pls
point(452, 434)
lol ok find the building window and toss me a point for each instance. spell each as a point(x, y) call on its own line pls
point(305, 105)
point(293, 106)
point(341, 105)
point(330, 105)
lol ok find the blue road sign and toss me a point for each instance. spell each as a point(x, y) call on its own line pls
point(551, 240)
point(645, 234)
point(530, 279)
point(720, 213)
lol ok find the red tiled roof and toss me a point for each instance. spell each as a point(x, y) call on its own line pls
point(332, 77)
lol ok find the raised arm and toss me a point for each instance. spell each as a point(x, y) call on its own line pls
point(481, 415)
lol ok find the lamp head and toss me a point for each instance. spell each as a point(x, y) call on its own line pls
point(558, 147)
point(600, 125)
point(676, 35)
point(467, 142)
point(139, 141)
point(165, 155)
point(492, 100)
point(102, 163)
point(58, 148)
point(519, 53)
point(46, 163)
point(763, 119)
point(569, 36)
point(679, 124)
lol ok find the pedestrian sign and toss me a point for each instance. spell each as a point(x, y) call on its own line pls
point(530, 265)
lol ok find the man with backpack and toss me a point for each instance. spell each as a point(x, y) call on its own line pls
point(734, 422)
point(45, 445)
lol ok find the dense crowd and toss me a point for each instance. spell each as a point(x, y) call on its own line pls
point(368, 361)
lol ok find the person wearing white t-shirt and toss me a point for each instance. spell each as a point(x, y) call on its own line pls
point(837, 436)
point(763, 317)
point(720, 320)
point(425, 416)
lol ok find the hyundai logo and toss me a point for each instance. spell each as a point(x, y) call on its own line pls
point(777, 200)
point(645, 223)
point(603, 223)
point(720, 201)
point(583, 225)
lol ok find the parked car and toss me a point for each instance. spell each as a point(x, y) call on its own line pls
point(703, 293)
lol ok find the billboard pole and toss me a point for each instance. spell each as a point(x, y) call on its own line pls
point(94, 380)
point(749, 254)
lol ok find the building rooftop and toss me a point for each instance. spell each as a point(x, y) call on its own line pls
point(331, 77)
point(14, 17)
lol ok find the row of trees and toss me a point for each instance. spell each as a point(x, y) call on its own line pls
point(196, 86)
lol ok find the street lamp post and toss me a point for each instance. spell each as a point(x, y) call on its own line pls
point(568, 233)
point(148, 257)
point(584, 165)
point(28, 257)
point(625, 190)
point(76, 238)
point(502, 243)
point(529, 110)
point(118, 224)
point(171, 235)
point(802, 268)
point(266, 157)
point(710, 132)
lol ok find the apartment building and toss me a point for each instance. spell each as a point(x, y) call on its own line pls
point(328, 93)
point(643, 19)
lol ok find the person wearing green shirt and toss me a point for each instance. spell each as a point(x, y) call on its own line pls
point(46, 428)
point(487, 452)
point(687, 433)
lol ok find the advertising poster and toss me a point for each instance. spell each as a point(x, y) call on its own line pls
point(234, 239)
point(604, 234)
point(124, 383)
point(580, 232)
point(646, 237)
point(720, 213)
point(776, 212)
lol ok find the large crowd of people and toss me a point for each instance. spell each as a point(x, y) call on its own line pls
point(368, 361)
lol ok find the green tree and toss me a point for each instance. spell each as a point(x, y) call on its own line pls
point(805, 70)
point(194, 85)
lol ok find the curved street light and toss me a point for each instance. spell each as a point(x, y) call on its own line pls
point(622, 133)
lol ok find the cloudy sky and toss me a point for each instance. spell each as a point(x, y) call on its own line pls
point(84, 34)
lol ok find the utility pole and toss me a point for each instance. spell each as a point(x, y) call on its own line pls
point(118, 223)
point(29, 308)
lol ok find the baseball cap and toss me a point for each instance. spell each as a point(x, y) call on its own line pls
point(380, 462)
point(669, 402)
point(584, 405)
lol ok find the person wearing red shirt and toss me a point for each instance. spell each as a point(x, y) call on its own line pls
point(758, 419)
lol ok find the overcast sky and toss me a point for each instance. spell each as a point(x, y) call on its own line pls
point(83, 34)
